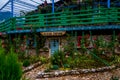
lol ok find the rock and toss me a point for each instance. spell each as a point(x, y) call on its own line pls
point(56, 73)
point(26, 69)
point(93, 70)
point(39, 74)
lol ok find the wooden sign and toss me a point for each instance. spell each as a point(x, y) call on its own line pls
point(60, 33)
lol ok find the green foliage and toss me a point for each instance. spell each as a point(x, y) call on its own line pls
point(100, 42)
point(103, 45)
point(66, 65)
point(55, 67)
point(10, 68)
point(80, 61)
point(26, 62)
point(24, 78)
point(43, 59)
point(69, 49)
point(70, 61)
point(41, 42)
point(83, 48)
point(21, 56)
point(116, 59)
point(58, 58)
point(33, 59)
point(74, 61)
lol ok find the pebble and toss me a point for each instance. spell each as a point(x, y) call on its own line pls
point(88, 76)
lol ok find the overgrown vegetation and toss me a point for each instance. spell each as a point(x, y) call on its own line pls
point(23, 45)
point(10, 67)
point(58, 58)
point(101, 54)
point(64, 5)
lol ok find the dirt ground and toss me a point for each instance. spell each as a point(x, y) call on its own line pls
point(89, 76)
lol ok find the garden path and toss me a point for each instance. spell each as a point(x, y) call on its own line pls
point(89, 76)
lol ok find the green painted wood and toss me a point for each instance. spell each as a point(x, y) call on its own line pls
point(100, 59)
point(66, 18)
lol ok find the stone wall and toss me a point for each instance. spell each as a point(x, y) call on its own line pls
point(59, 73)
point(29, 68)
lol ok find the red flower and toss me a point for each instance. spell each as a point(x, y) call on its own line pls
point(79, 39)
point(87, 36)
point(78, 44)
point(24, 37)
point(94, 38)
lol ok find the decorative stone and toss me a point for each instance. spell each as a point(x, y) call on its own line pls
point(72, 72)
point(26, 69)
point(46, 76)
point(56, 73)
point(93, 70)
point(77, 73)
point(84, 71)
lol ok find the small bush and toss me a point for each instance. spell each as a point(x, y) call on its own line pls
point(43, 59)
point(26, 63)
point(80, 61)
point(55, 67)
point(66, 65)
point(116, 60)
point(10, 68)
point(33, 59)
point(24, 78)
point(58, 58)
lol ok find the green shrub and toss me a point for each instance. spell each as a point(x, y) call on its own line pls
point(24, 78)
point(33, 59)
point(21, 55)
point(81, 61)
point(58, 58)
point(70, 62)
point(116, 59)
point(43, 59)
point(26, 63)
point(66, 65)
point(10, 68)
point(55, 67)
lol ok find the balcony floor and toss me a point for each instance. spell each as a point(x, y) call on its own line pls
point(67, 28)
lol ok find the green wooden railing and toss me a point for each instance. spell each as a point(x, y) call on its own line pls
point(66, 18)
